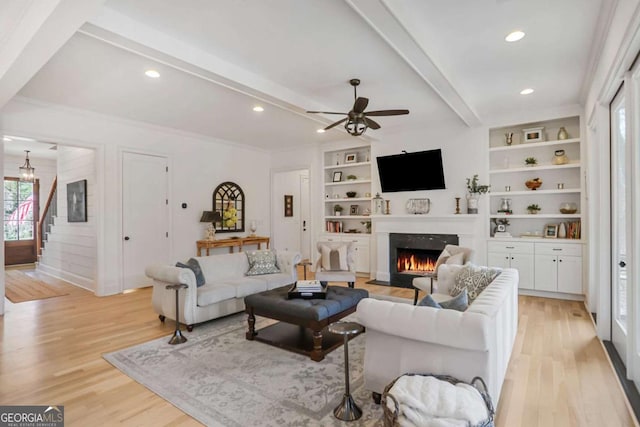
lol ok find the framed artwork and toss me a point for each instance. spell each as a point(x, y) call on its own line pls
point(228, 202)
point(337, 176)
point(551, 231)
point(288, 205)
point(77, 201)
point(351, 157)
point(533, 134)
point(354, 210)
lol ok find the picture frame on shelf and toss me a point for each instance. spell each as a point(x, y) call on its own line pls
point(354, 210)
point(533, 134)
point(337, 176)
point(351, 157)
point(551, 231)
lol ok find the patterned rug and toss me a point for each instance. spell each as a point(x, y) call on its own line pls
point(221, 379)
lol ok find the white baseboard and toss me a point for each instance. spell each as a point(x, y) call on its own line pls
point(556, 295)
point(79, 281)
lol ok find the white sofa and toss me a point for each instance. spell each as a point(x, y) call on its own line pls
point(403, 338)
point(225, 286)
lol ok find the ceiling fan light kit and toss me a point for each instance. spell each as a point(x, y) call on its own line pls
point(357, 121)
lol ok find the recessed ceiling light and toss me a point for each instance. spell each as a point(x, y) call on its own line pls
point(321, 131)
point(152, 73)
point(514, 36)
point(6, 139)
point(258, 109)
point(526, 91)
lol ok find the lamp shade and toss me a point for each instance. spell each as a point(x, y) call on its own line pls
point(210, 216)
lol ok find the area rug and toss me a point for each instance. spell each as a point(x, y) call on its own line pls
point(221, 379)
point(20, 287)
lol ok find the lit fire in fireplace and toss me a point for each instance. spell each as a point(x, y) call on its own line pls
point(412, 263)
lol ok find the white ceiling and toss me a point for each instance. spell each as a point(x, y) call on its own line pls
point(443, 61)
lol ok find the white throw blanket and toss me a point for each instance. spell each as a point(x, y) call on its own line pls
point(428, 402)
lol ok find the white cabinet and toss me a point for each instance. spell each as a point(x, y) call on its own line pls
point(558, 268)
point(561, 183)
point(361, 246)
point(518, 255)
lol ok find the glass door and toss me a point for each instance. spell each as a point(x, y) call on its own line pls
point(619, 224)
point(20, 219)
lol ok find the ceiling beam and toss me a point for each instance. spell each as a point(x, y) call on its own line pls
point(379, 15)
point(41, 28)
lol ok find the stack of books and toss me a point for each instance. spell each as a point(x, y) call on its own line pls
point(307, 289)
point(309, 286)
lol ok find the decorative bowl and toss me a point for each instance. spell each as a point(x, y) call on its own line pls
point(533, 184)
point(351, 194)
point(568, 208)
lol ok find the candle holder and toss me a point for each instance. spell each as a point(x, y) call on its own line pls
point(457, 205)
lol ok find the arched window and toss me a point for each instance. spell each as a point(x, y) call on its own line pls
point(228, 200)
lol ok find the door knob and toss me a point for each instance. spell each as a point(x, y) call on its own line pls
point(622, 264)
point(127, 238)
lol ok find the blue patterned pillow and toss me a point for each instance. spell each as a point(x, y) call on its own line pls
point(460, 303)
point(194, 266)
point(262, 262)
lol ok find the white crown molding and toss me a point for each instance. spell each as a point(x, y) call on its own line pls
point(380, 16)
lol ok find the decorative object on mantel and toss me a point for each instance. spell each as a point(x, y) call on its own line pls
point(337, 210)
point(507, 188)
point(378, 204)
point(530, 161)
point(418, 206)
point(457, 205)
point(351, 194)
point(27, 172)
point(508, 138)
point(533, 184)
point(561, 186)
point(533, 209)
point(387, 210)
point(533, 134)
point(562, 133)
point(228, 201)
point(568, 208)
point(475, 191)
point(211, 217)
point(559, 158)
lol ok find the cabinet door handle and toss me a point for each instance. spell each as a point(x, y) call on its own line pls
point(554, 260)
point(510, 247)
point(557, 249)
point(622, 264)
point(511, 257)
point(559, 260)
point(506, 257)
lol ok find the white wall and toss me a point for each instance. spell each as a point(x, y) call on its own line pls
point(45, 173)
point(197, 166)
point(71, 248)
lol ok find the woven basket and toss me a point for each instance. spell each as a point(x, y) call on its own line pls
point(391, 417)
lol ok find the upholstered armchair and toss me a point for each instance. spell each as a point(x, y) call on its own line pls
point(451, 255)
point(335, 262)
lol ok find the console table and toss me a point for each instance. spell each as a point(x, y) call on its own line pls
point(239, 242)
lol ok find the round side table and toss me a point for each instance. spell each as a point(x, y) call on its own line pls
point(347, 410)
point(177, 337)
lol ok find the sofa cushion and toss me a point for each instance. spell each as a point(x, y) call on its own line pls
point(262, 262)
point(194, 265)
point(474, 279)
point(334, 258)
point(211, 294)
point(459, 303)
point(246, 285)
point(277, 280)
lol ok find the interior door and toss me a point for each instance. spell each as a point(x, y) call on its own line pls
point(20, 219)
point(145, 216)
point(619, 224)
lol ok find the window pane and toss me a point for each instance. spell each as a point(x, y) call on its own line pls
point(10, 230)
point(10, 207)
point(26, 230)
point(25, 190)
point(10, 189)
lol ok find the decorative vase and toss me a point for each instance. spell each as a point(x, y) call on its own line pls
point(472, 204)
point(378, 204)
point(253, 226)
point(210, 233)
point(508, 138)
point(562, 133)
point(562, 231)
point(559, 158)
point(336, 213)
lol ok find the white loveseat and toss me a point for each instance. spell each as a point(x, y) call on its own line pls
point(225, 286)
point(403, 338)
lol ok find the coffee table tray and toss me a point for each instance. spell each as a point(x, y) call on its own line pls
point(293, 293)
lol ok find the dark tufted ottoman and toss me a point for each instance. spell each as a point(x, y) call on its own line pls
point(302, 322)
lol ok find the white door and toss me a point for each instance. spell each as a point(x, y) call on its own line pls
point(570, 274)
point(305, 215)
point(546, 273)
point(619, 225)
point(499, 259)
point(524, 264)
point(145, 216)
point(287, 227)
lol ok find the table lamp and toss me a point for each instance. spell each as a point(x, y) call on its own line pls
point(211, 217)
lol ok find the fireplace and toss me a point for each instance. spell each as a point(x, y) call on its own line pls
point(413, 255)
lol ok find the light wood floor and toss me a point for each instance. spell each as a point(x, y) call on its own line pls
point(51, 353)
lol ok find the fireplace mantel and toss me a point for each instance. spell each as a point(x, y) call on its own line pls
point(468, 228)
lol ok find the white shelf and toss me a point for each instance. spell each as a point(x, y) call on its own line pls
point(536, 216)
point(535, 239)
point(349, 199)
point(348, 234)
point(534, 192)
point(356, 181)
point(347, 165)
point(426, 216)
point(331, 217)
point(530, 145)
point(535, 168)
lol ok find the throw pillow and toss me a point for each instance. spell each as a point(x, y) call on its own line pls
point(262, 262)
point(334, 258)
point(474, 279)
point(442, 259)
point(459, 303)
point(194, 266)
point(457, 259)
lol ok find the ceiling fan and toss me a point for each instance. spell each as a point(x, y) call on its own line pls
point(357, 120)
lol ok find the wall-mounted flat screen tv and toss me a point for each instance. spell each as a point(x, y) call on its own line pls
point(411, 171)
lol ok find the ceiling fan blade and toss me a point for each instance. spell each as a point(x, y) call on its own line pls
point(386, 113)
point(371, 123)
point(336, 123)
point(325, 112)
point(360, 105)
